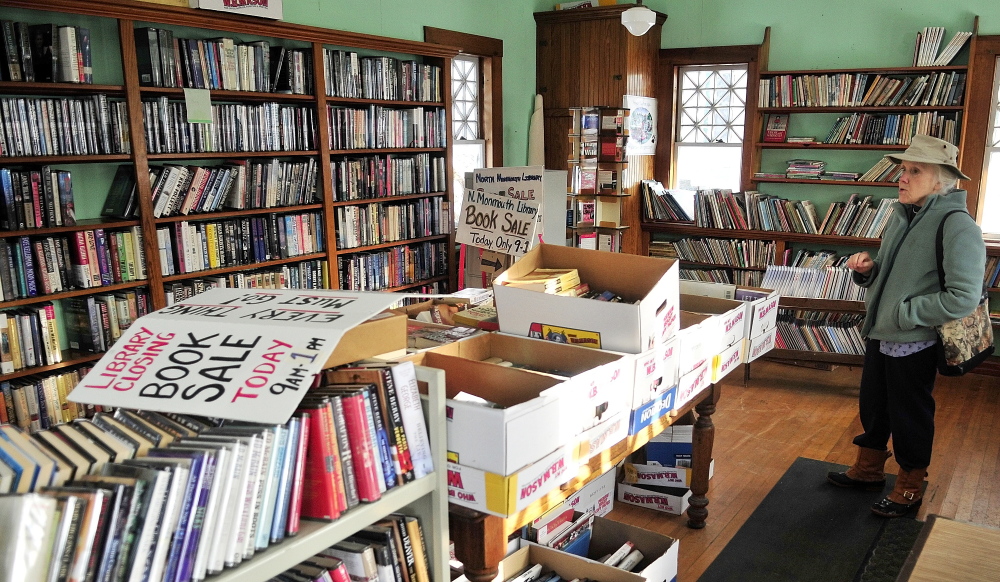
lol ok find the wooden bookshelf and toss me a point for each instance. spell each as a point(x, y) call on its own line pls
point(73, 293)
point(786, 145)
point(229, 155)
point(249, 267)
point(834, 305)
point(49, 160)
point(691, 230)
point(223, 96)
point(859, 108)
point(70, 358)
point(398, 243)
point(852, 183)
point(382, 199)
point(85, 224)
point(241, 212)
point(824, 357)
point(720, 266)
point(67, 89)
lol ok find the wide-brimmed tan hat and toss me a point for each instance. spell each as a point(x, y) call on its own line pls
point(931, 150)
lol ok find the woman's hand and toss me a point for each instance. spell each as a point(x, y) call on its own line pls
point(860, 262)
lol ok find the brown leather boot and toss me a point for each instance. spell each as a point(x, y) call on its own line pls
point(905, 496)
point(867, 472)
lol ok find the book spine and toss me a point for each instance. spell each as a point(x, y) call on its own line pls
point(319, 490)
point(298, 481)
point(350, 482)
point(405, 380)
point(363, 456)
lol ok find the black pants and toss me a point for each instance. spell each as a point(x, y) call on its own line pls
point(896, 401)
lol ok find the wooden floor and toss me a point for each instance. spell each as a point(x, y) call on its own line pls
point(787, 412)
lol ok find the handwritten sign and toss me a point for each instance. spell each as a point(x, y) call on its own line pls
point(494, 211)
point(228, 353)
point(497, 223)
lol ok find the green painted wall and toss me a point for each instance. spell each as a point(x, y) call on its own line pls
point(804, 33)
point(508, 20)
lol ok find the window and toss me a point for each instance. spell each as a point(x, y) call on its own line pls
point(991, 175)
point(468, 146)
point(711, 112)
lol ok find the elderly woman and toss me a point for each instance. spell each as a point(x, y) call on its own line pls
point(904, 302)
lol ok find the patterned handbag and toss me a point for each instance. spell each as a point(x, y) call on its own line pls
point(966, 342)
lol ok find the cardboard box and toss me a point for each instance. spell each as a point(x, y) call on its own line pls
point(505, 495)
point(763, 312)
point(694, 341)
point(384, 333)
point(666, 499)
point(660, 476)
point(627, 327)
point(727, 361)
point(599, 383)
point(659, 552)
point(602, 437)
point(692, 383)
point(760, 345)
point(651, 411)
point(483, 266)
point(730, 320)
point(597, 496)
point(656, 372)
point(529, 426)
point(567, 566)
point(672, 447)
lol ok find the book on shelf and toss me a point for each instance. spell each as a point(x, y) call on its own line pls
point(45, 195)
point(884, 170)
point(666, 205)
point(944, 88)
point(45, 53)
point(893, 129)
point(393, 267)
point(370, 224)
point(368, 177)
point(926, 49)
point(818, 283)
point(814, 331)
point(776, 128)
point(352, 76)
point(64, 127)
point(740, 253)
point(408, 127)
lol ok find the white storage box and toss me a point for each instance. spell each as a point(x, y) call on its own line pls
point(627, 327)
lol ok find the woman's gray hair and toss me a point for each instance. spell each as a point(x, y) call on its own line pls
point(946, 178)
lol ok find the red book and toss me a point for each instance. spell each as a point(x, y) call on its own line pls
point(42, 267)
point(295, 502)
point(318, 498)
point(363, 456)
point(37, 204)
point(776, 129)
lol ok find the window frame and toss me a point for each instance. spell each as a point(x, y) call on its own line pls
point(670, 61)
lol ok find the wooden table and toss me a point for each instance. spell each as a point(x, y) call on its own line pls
point(953, 550)
point(481, 539)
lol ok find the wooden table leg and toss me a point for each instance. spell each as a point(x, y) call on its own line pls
point(701, 458)
point(480, 543)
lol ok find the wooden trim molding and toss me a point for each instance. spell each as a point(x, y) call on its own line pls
point(978, 117)
point(756, 58)
point(181, 16)
point(490, 50)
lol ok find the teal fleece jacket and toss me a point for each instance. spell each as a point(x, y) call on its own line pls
point(904, 298)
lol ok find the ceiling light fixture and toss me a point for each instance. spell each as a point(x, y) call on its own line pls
point(638, 19)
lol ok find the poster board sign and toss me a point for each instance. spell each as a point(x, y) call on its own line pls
point(641, 125)
point(495, 210)
point(228, 353)
point(260, 8)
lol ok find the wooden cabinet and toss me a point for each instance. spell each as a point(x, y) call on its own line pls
point(586, 58)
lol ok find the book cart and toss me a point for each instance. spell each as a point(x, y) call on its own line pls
point(807, 116)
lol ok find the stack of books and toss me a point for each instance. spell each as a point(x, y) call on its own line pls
point(817, 259)
point(554, 281)
point(893, 129)
point(805, 169)
point(841, 176)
